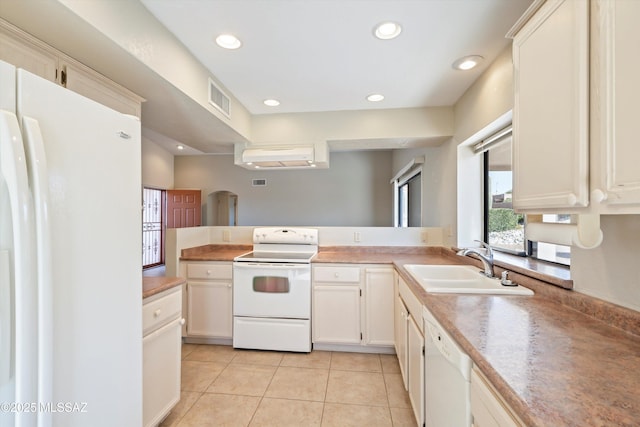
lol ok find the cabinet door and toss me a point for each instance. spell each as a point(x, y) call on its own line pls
point(551, 108)
point(400, 326)
point(336, 314)
point(378, 306)
point(415, 365)
point(616, 149)
point(161, 372)
point(487, 408)
point(29, 56)
point(210, 312)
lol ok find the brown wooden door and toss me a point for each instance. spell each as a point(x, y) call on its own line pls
point(183, 208)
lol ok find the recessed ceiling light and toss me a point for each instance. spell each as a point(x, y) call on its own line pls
point(271, 102)
point(375, 97)
point(387, 30)
point(180, 147)
point(467, 62)
point(228, 41)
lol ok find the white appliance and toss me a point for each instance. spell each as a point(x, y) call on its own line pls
point(272, 290)
point(447, 376)
point(70, 258)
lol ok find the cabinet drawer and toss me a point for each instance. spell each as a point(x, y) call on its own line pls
point(161, 310)
point(336, 274)
point(209, 271)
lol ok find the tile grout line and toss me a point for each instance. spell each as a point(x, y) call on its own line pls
point(265, 390)
point(326, 389)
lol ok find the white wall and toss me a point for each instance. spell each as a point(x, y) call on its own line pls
point(338, 126)
point(435, 170)
point(487, 100)
point(157, 166)
point(610, 271)
point(354, 191)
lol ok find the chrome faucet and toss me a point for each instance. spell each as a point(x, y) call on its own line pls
point(486, 257)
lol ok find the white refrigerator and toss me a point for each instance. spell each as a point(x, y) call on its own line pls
point(70, 258)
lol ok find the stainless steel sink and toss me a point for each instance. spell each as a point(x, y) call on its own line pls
point(460, 279)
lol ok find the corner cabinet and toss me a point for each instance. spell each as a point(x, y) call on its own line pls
point(551, 108)
point(352, 306)
point(209, 301)
point(575, 92)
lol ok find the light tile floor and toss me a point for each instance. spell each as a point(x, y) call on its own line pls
point(225, 386)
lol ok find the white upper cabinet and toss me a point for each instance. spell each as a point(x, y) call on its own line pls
point(551, 108)
point(616, 90)
point(575, 140)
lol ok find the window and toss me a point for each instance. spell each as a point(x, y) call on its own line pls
point(408, 195)
point(409, 201)
point(503, 227)
point(560, 254)
point(152, 230)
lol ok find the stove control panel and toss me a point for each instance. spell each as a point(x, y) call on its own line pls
point(285, 235)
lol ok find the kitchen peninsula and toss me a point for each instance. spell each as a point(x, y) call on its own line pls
point(552, 364)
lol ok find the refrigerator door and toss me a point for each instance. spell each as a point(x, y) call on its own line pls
point(94, 216)
point(18, 297)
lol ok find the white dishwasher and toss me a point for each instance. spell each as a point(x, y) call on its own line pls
point(447, 373)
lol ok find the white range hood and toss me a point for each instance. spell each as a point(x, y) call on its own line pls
point(267, 157)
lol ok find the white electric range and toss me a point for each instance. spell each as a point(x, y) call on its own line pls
point(272, 290)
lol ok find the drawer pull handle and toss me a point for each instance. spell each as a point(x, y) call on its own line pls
point(336, 275)
point(208, 272)
point(157, 313)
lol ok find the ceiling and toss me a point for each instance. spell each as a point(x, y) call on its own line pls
point(321, 55)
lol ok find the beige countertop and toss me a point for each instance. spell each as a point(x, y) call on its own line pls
point(152, 285)
point(558, 358)
point(214, 252)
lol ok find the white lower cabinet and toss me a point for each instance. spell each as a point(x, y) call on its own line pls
point(353, 305)
point(210, 300)
point(401, 317)
point(488, 409)
point(161, 352)
point(378, 306)
point(415, 368)
point(336, 314)
point(409, 343)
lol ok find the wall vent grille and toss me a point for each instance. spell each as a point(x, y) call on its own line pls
point(218, 99)
point(261, 182)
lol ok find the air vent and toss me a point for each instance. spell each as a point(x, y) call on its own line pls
point(218, 99)
point(259, 182)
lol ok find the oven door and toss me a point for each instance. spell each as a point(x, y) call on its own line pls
point(272, 290)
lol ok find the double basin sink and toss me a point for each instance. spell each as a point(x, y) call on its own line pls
point(460, 279)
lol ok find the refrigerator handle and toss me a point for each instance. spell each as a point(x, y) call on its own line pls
point(13, 169)
point(39, 179)
point(6, 325)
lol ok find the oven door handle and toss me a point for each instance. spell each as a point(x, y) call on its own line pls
point(273, 266)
